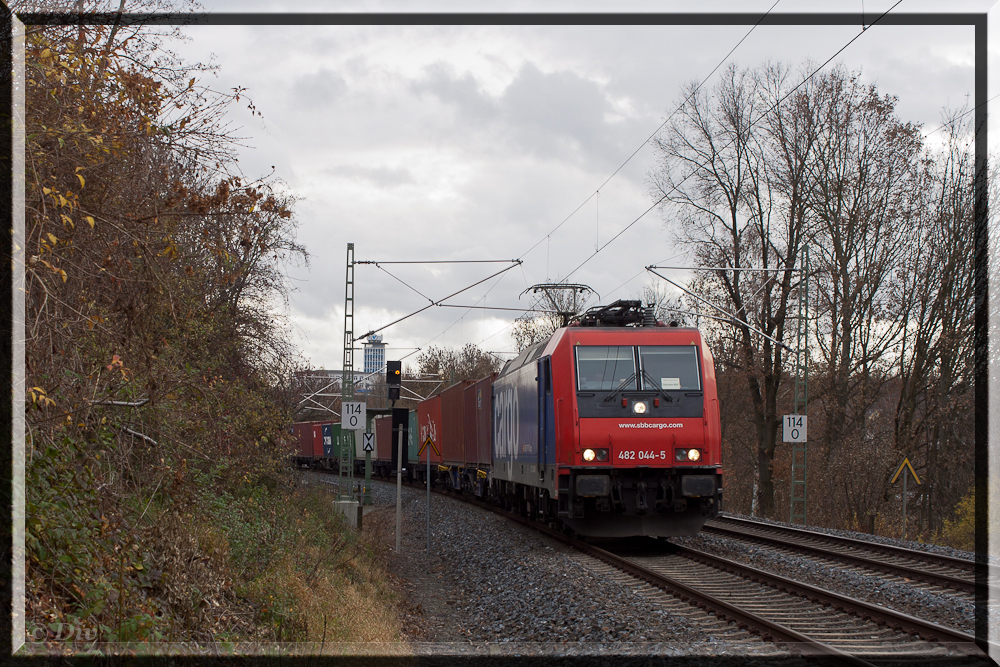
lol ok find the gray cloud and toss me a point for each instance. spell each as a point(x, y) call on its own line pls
point(318, 88)
point(553, 111)
point(462, 93)
point(557, 115)
point(380, 176)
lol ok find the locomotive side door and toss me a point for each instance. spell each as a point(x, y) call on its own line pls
point(546, 417)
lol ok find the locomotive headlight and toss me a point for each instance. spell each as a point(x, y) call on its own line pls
point(640, 407)
point(694, 454)
point(589, 455)
point(687, 454)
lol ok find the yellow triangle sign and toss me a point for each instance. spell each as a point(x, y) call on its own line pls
point(427, 442)
point(905, 464)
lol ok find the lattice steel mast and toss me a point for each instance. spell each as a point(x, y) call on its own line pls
point(799, 491)
point(345, 475)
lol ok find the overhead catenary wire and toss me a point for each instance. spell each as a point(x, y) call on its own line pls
point(751, 124)
point(730, 315)
point(404, 283)
point(438, 302)
point(961, 115)
point(597, 192)
point(440, 261)
point(492, 287)
point(637, 274)
point(519, 310)
point(718, 268)
point(500, 331)
point(378, 264)
point(548, 237)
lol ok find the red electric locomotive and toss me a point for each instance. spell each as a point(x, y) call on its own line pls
point(611, 426)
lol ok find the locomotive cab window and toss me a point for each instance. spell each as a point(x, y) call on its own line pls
point(605, 367)
point(671, 367)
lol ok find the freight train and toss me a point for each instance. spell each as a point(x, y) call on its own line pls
point(610, 426)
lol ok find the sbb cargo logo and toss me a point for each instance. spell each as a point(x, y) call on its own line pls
point(506, 417)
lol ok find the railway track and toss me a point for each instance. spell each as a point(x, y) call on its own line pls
point(806, 620)
point(938, 572)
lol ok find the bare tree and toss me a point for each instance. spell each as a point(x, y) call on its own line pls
point(667, 307)
point(469, 363)
point(863, 178)
point(768, 162)
point(936, 301)
point(732, 172)
point(553, 306)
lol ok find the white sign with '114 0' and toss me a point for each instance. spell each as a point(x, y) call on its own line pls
point(793, 428)
point(352, 416)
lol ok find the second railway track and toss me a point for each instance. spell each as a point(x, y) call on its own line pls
point(942, 573)
point(806, 618)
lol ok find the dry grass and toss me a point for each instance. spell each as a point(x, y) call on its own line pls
point(330, 587)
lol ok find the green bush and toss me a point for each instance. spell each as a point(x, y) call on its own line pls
point(961, 533)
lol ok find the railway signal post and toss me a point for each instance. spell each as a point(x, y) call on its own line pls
point(428, 445)
point(903, 468)
point(393, 378)
point(368, 444)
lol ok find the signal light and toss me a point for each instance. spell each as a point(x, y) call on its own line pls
point(393, 373)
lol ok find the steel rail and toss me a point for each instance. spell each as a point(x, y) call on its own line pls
point(745, 620)
point(944, 580)
point(926, 557)
point(888, 549)
point(931, 632)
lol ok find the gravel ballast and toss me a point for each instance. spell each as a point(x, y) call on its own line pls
point(490, 582)
point(955, 611)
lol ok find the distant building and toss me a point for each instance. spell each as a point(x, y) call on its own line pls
point(374, 354)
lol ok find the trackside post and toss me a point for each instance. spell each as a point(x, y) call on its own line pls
point(399, 496)
point(428, 493)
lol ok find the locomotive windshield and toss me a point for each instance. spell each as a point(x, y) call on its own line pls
point(670, 366)
point(605, 367)
point(662, 367)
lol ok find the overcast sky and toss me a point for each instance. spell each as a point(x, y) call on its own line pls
point(475, 142)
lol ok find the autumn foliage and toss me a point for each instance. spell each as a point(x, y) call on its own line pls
point(157, 398)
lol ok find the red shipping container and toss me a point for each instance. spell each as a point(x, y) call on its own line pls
point(471, 434)
point(484, 421)
point(429, 425)
point(317, 438)
point(383, 438)
point(453, 423)
point(302, 431)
